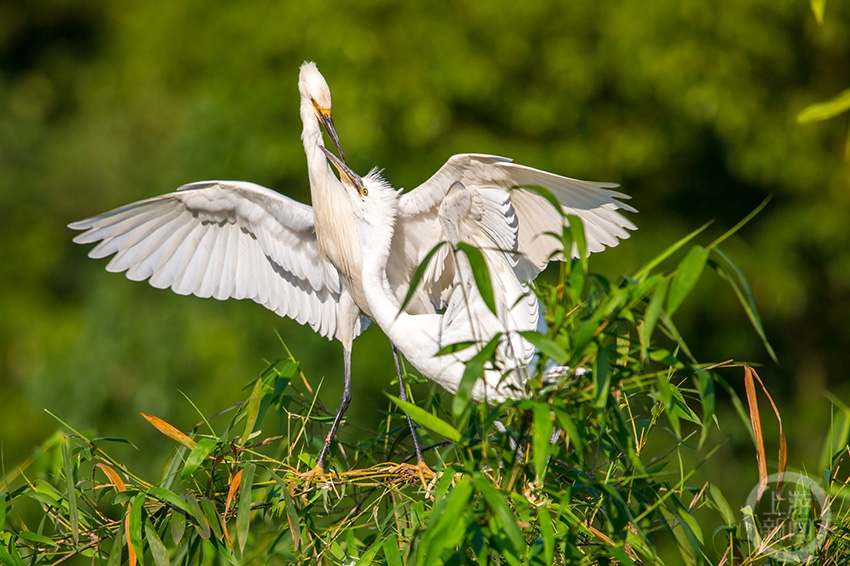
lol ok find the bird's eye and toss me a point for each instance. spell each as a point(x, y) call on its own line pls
point(365, 192)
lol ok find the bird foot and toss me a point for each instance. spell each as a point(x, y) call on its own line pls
point(409, 473)
point(316, 474)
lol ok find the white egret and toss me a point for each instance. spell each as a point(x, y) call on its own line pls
point(466, 319)
point(234, 239)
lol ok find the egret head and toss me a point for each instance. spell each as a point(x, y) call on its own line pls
point(316, 96)
point(373, 201)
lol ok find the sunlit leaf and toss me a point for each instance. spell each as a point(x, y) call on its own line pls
point(722, 505)
point(818, 8)
point(547, 346)
point(480, 273)
point(197, 456)
point(170, 431)
point(443, 531)
point(134, 527)
point(426, 419)
point(670, 250)
point(836, 438)
point(232, 490)
point(687, 274)
point(471, 373)
point(253, 410)
point(826, 110)
point(113, 476)
point(579, 239)
point(542, 434)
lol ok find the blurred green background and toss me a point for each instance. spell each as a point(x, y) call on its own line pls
point(689, 105)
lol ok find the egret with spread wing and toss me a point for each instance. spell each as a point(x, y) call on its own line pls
point(466, 319)
point(234, 239)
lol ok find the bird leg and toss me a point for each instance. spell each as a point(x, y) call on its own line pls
point(402, 394)
point(343, 405)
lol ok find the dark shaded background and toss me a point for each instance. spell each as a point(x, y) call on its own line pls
point(689, 105)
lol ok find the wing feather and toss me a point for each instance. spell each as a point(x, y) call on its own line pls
point(223, 239)
point(595, 203)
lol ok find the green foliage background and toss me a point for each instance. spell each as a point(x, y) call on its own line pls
point(689, 105)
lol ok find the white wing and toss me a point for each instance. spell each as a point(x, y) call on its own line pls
point(223, 239)
point(536, 218)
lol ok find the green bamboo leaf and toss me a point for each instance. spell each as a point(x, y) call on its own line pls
point(443, 530)
point(115, 553)
point(158, 550)
point(727, 269)
point(505, 517)
point(200, 521)
point(253, 410)
point(836, 439)
point(547, 346)
point(417, 276)
point(428, 420)
point(818, 7)
point(243, 513)
point(565, 421)
point(825, 110)
point(197, 456)
point(36, 537)
point(168, 496)
point(480, 273)
point(473, 370)
point(543, 428)
point(291, 511)
point(722, 505)
point(691, 523)
point(650, 318)
point(670, 250)
point(705, 387)
point(136, 509)
point(739, 225)
point(547, 532)
point(391, 553)
point(212, 517)
point(579, 238)
point(687, 274)
point(602, 375)
point(367, 557)
point(178, 526)
point(10, 556)
point(73, 515)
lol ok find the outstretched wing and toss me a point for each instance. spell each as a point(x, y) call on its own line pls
point(223, 239)
point(536, 219)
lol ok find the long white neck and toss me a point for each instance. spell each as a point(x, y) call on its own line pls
point(376, 236)
point(336, 231)
point(417, 336)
